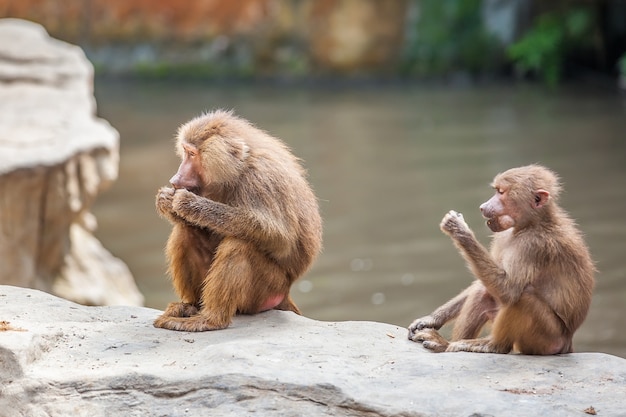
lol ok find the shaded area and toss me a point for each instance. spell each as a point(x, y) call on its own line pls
point(10, 365)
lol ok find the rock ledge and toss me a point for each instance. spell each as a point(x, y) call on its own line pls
point(65, 359)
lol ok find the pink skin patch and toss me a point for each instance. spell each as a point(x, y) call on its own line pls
point(272, 302)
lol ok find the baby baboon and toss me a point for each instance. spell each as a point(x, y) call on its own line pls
point(536, 282)
point(245, 222)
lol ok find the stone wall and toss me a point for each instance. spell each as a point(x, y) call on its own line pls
point(259, 36)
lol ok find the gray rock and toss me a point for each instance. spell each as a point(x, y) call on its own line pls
point(56, 156)
point(64, 359)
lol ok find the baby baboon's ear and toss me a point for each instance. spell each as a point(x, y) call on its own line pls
point(541, 198)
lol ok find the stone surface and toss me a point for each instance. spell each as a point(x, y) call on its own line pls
point(55, 157)
point(58, 358)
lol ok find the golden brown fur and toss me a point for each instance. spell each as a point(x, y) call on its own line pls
point(245, 222)
point(536, 282)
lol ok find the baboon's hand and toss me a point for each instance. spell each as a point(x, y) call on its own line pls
point(164, 201)
point(188, 205)
point(454, 225)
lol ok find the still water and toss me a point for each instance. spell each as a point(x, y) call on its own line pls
point(387, 163)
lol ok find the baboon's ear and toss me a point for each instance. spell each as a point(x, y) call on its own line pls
point(238, 148)
point(541, 198)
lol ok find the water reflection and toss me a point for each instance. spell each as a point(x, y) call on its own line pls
point(387, 164)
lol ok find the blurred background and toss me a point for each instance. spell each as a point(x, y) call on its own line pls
point(400, 109)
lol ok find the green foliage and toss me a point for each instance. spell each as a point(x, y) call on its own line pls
point(544, 47)
point(187, 71)
point(450, 36)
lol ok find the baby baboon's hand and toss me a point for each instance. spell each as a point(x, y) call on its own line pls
point(453, 224)
point(426, 322)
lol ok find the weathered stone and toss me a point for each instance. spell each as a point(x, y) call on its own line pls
point(64, 359)
point(55, 157)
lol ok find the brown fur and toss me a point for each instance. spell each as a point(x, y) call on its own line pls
point(536, 282)
point(245, 222)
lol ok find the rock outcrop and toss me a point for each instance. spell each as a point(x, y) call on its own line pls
point(55, 157)
point(58, 359)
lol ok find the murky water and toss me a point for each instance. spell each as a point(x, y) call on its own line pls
point(387, 164)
